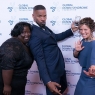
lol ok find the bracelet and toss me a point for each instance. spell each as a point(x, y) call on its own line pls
point(49, 81)
point(77, 51)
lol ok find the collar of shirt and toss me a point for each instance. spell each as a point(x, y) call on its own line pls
point(37, 25)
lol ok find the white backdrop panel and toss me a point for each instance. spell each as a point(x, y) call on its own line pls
point(60, 14)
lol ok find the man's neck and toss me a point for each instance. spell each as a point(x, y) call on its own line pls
point(36, 24)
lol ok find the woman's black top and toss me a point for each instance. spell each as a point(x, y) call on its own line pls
point(13, 55)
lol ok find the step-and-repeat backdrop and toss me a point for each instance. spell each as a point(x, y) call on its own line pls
point(60, 14)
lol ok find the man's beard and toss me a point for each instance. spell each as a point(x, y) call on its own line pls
point(41, 25)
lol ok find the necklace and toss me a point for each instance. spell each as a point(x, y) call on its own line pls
point(89, 40)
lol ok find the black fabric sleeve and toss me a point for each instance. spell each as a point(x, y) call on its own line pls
point(9, 55)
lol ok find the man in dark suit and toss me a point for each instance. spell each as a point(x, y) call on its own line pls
point(43, 45)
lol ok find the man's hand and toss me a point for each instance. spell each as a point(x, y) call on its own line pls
point(53, 87)
point(73, 27)
point(7, 90)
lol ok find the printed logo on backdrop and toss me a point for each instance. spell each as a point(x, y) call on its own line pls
point(66, 7)
point(14, 20)
point(71, 61)
point(67, 21)
point(33, 72)
point(12, 7)
point(55, 7)
point(31, 93)
point(70, 73)
point(18, 7)
point(71, 7)
point(26, 20)
point(25, 7)
point(67, 48)
point(29, 82)
point(71, 85)
point(56, 21)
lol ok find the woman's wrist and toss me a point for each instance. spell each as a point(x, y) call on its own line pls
point(77, 51)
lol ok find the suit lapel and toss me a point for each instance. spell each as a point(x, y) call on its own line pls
point(51, 33)
point(46, 31)
point(42, 30)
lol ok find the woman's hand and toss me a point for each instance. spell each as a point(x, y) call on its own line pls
point(91, 71)
point(7, 90)
point(78, 46)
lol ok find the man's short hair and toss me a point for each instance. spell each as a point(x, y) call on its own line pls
point(39, 7)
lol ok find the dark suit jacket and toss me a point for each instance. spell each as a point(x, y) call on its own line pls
point(46, 52)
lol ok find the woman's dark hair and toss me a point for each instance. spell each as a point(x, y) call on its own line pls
point(18, 28)
point(89, 22)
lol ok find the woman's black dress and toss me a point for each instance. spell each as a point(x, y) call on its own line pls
point(13, 55)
